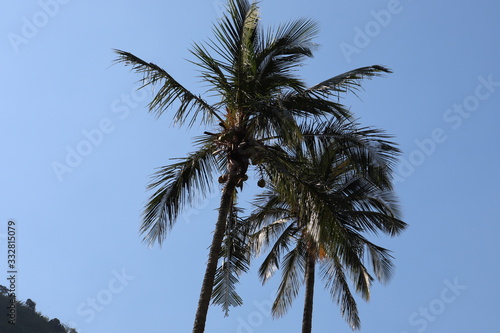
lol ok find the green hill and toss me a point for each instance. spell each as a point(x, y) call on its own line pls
point(27, 319)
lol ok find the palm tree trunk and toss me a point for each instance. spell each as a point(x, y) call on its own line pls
point(308, 302)
point(213, 256)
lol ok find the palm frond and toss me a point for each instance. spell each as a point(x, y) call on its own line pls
point(213, 70)
point(381, 261)
point(284, 234)
point(282, 50)
point(175, 186)
point(348, 248)
point(224, 292)
point(365, 207)
point(270, 119)
point(236, 32)
point(369, 221)
point(304, 103)
point(369, 151)
point(293, 268)
point(349, 81)
point(269, 208)
point(170, 91)
point(336, 282)
point(235, 257)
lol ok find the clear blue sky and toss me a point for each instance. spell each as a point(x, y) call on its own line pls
point(80, 257)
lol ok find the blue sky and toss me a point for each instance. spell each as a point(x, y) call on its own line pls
point(80, 257)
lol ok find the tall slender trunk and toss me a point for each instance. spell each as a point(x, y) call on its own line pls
point(308, 302)
point(213, 256)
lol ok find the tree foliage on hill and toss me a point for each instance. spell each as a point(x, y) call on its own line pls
point(28, 320)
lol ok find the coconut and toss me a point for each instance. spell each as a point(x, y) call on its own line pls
point(223, 179)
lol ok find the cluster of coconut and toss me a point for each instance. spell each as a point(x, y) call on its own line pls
point(223, 178)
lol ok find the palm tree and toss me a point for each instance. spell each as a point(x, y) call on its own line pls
point(319, 217)
point(260, 103)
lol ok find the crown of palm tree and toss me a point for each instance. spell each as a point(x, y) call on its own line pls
point(252, 73)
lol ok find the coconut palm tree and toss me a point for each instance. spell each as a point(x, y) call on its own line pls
point(342, 190)
point(260, 101)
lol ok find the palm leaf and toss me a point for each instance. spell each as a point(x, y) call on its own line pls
point(284, 234)
point(336, 282)
point(175, 186)
point(293, 268)
point(381, 261)
point(369, 151)
point(235, 34)
point(349, 81)
point(269, 208)
point(170, 91)
point(235, 259)
point(282, 50)
point(213, 70)
point(305, 103)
